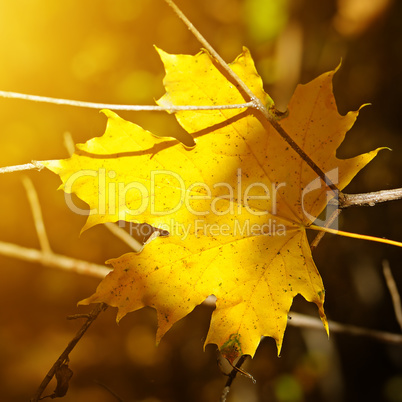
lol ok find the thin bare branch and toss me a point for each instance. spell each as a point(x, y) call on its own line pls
point(370, 199)
point(393, 290)
point(305, 321)
point(69, 142)
point(93, 315)
point(53, 260)
point(77, 316)
point(328, 224)
point(124, 236)
point(133, 108)
point(37, 215)
point(232, 375)
point(111, 392)
point(34, 165)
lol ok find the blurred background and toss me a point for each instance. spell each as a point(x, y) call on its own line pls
point(102, 51)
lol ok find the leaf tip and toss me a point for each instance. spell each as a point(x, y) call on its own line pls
point(246, 51)
point(162, 54)
point(158, 49)
point(85, 302)
point(321, 312)
point(338, 66)
point(364, 105)
point(279, 343)
point(108, 113)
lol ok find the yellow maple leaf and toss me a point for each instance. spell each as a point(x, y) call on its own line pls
point(236, 205)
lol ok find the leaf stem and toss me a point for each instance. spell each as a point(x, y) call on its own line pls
point(355, 236)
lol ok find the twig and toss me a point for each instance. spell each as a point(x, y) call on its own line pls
point(76, 316)
point(37, 215)
point(124, 236)
point(370, 199)
point(69, 143)
point(393, 290)
point(93, 315)
point(328, 223)
point(134, 108)
point(53, 260)
point(27, 166)
point(256, 103)
point(111, 392)
point(232, 375)
point(305, 321)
